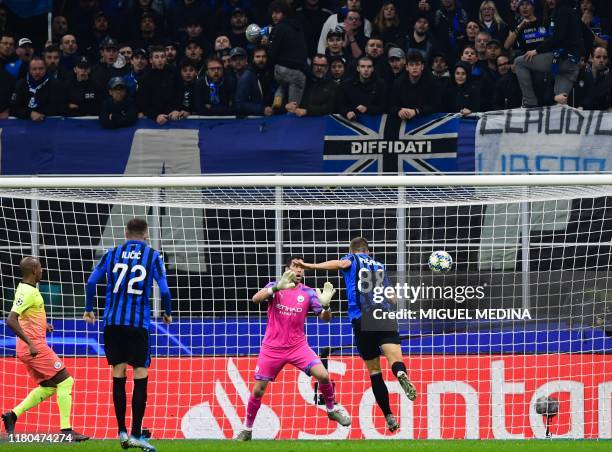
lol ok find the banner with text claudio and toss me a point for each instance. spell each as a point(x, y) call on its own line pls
point(550, 139)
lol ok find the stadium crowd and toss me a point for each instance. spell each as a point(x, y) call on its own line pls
point(169, 59)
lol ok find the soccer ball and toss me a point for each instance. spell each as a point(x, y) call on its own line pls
point(440, 261)
point(253, 33)
point(547, 406)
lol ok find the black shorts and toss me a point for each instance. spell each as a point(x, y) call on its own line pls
point(127, 344)
point(368, 342)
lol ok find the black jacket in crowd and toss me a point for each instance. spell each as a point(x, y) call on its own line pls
point(7, 83)
point(156, 94)
point(421, 95)
point(49, 99)
point(249, 96)
point(567, 31)
point(102, 73)
point(354, 92)
point(85, 95)
point(508, 92)
point(186, 96)
point(204, 102)
point(319, 96)
point(600, 95)
point(288, 45)
point(458, 97)
point(115, 115)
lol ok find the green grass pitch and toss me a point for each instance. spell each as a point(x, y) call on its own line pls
point(336, 446)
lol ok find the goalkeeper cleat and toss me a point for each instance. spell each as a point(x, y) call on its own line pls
point(71, 436)
point(140, 443)
point(10, 419)
point(391, 422)
point(408, 387)
point(244, 435)
point(339, 415)
point(123, 439)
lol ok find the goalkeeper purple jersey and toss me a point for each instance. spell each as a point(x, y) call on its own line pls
point(287, 312)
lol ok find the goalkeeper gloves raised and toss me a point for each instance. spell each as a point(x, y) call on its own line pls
point(287, 281)
point(326, 295)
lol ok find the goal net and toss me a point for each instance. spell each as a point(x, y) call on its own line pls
point(525, 312)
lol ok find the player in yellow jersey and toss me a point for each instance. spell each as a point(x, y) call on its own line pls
point(28, 321)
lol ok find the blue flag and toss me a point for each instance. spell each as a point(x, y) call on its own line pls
point(29, 8)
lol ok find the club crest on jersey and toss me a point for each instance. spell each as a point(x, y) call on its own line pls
point(57, 364)
point(300, 298)
point(19, 302)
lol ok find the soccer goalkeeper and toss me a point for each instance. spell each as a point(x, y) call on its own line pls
point(289, 302)
point(370, 344)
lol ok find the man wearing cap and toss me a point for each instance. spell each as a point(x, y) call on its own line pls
point(69, 57)
point(413, 94)
point(195, 52)
point(139, 63)
point(335, 45)
point(239, 61)
point(320, 94)
point(118, 110)
point(156, 96)
point(397, 66)
point(238, 23)
point(105, 70)
point(186, 89)
point(38, 96)
point(83, 99)
point(181, 11)
point(147, 32)
point(100, 31)
point(253, 91)
point(19, 67)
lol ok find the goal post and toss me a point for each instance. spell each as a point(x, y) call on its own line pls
point(524, 313)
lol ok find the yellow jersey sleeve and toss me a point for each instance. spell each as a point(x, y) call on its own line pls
point(25, 298)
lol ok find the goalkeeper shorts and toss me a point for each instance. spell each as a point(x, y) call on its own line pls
point(271, 360)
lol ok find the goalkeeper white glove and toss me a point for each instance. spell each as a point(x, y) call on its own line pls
point(287, 281)
point(326, 295)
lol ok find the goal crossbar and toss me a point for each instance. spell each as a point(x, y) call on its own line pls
point(222, 181)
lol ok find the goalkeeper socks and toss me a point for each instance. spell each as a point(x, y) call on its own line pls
point(381, 393)
point(64, 401)
point(119, 400)
point(327, 390)
point(36, 395)
point(139, 403)
point(398, 366)
point(252, 409)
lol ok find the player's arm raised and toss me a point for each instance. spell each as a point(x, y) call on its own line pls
point(325, 296)
point(287, 281)
point(337, 264)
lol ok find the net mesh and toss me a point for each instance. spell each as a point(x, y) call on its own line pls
point(541, 255)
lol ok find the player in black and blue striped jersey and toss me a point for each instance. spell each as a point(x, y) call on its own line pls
point(130, 270)
point(357, 268)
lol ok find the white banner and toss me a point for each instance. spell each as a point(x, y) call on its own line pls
point(547, 139)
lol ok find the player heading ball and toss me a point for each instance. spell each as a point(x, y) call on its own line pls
point(370, 343)
point(289, 302)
